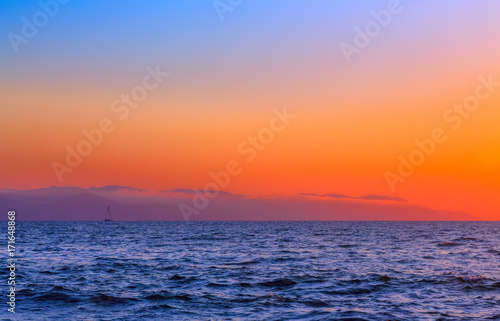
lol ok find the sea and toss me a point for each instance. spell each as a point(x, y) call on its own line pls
point(255, 271)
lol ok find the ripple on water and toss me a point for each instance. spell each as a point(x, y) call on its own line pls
point(449, 244)
point(260, 270)
point(278, 283)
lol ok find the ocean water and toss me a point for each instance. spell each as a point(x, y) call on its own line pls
point(257, 271)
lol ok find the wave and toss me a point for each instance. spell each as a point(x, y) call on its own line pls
point(278, 283)
point(109, 299)
point(55, 296)
point(446, 244)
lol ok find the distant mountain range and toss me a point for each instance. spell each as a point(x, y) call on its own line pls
point(131, 204)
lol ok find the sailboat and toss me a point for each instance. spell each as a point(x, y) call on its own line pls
point(108, 218)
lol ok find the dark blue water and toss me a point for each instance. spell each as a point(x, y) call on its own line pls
point(258, 270)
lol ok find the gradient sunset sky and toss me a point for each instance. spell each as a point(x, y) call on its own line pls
point(353, 120)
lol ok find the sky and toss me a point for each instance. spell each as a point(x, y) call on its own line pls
point(223, 74)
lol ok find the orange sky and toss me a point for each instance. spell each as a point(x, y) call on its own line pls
point(352, 120)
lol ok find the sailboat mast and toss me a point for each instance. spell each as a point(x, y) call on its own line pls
point(108, 215)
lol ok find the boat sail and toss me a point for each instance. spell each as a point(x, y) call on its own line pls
point(108, 218)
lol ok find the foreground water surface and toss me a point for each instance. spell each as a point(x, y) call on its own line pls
point(257, 270)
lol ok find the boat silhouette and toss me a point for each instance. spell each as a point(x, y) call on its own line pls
point(108, 218)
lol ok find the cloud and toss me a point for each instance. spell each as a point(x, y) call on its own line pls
point(192, 192)
point(311, 194)
point(365, 197)
point(326, 195)
point(382, 198)
point(54, 193)
point(116, 188)
point(72, 189)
